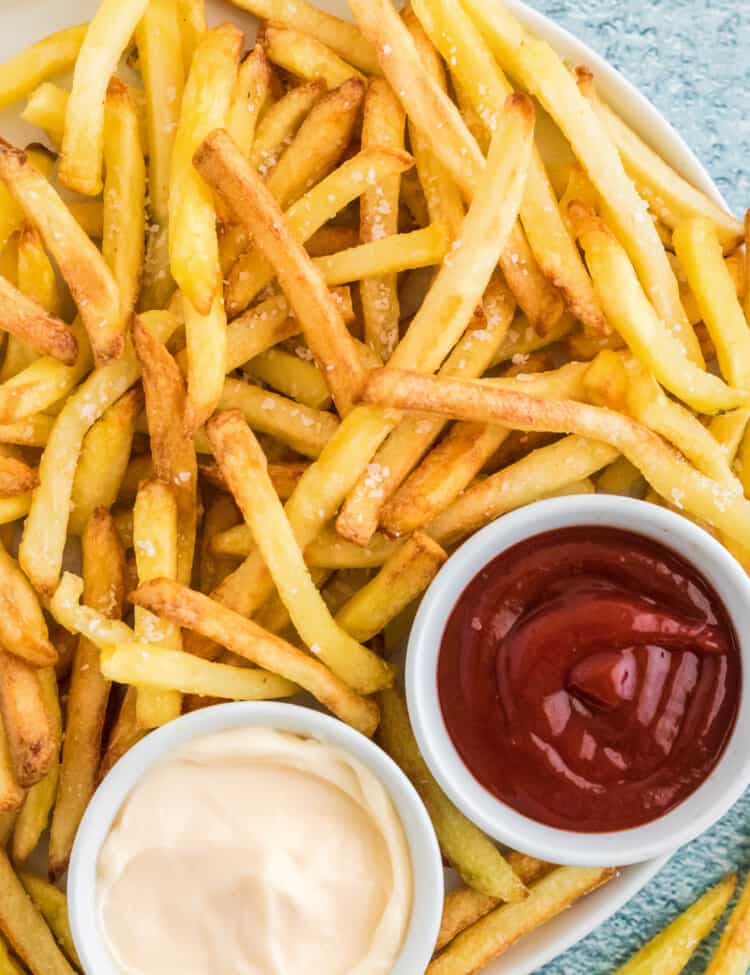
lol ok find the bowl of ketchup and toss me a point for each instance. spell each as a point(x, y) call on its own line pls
point(575, 679)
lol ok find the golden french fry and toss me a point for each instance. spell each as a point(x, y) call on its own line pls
point(90, 281)
point(28, 725)
point(8, 966)
point(23, 630)
point(244, 466)
point(124, 220)
point(621, 477)
point(297, 378)
point(698, 249)
point(46, 108)
point(25, 929)
point(496, 932)
point(155, 541)
point(670, 951)
point(280, 123)
point(52, 904)
point(305, 56)
point(16, 477)
point(193, 244)
point(728, 431)
point(631, 313)
point(54, 54)
point(192, 15)
point(249, 97)
point(732, 956)
point(28, 321)
point(469, 851)
point(384, 256)
point(104, 591)
point(171, 444)
point(125, 733)
point(11, 794)
point(83, 142)
point(221, 514)
point(36, 274)
point(103, 460)
point(606, 381)
point(45, 530)
point(383, 126)
point(284, 476)
point(222, 165)
point(185, 607)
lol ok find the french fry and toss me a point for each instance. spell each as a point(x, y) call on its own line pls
point(732, 956)
point(728, 431)
point(11, 794)
point(28, 321)
point(496, 932)
point(32, 432)
point(155, 542)
point(104, 591)
point(160, 57)
point(12, 216)
point(89, 215)
point(103, 460)
point(52, 904)
point(86, 273)
point(295, 377)
point(185, 607)
point(125, 733)
point(193, 244)
point(222, 165)
point(667, 472)
point(12, 509)
point(257, 330)
point(23, 631)
point(25, 929)
point(192, 16)
point(460, 42)
point(284, 476)
point(46, 108)
point(543, 74)
point(606, 381)
point(124, 222)
point(33, 818)
point(404, 577)
point(8, 966)
point(698, 249)
point(341, 36)
point(450, 303)
point(621, 477)
point(469, 851)
point(171, 445)
point(28, 725)
point(383, 126)
point(306, 57)
point(253, 272)
point(244, 466)
point(221, 514)
point(83, 142)
point(45, 530)
point(53, 55)
point(670, 951)
point(249, 97)
point(16, 477)
point(328, 551)
point(630, 312)
point(279, 125)
point(386, 255)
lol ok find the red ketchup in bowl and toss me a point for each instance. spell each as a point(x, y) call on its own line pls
point(589, 678)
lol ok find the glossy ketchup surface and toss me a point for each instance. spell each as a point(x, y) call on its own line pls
point(589, 678)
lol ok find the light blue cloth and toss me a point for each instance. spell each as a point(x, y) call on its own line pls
point(692, 59)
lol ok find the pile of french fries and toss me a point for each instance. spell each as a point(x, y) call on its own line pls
point(282, 325)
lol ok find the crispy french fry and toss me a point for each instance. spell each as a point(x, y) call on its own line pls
point(171, 445)
point(52, 904)
point(244, 466)
point(728, 431)
point(328, 551)
point(23, 630)
point(126, 732)
point(8, 966)
point(621, 477)
point(469, 851)
point(11, 509)
point(89, 215)
point(496, 932)
point(28, 725)
point(103, 460)
point(83, 142)
point(606, 381)
point(297, 378)
point(222, 165)
point(28, 321)
point(192, 14)
point(404, 577)
point(193, 244)
point(160, 57)
point(11, 794)
point(543, 74)
point(732, 956)
point(46, 108)
point(185, 607)
point(280, 123)
point(670, 951)
point(259, 329)
point(253, 272)
point(33, 817)
point(155, 541)
point(221, 514)
point(630, 312)
point(306, 57)
point(284, 476)
point(32, 432)
point(41, 549)
point(249, 97)
point(383, 126)
point(90, 281)
point(699, 252)
point(16, 477)
point(104, 591)
point(25, 929)
point(124, 221)
point(53, 55)
point(385, 255)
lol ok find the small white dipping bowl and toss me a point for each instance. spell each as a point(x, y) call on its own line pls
point(427, 869)
point(699, 811)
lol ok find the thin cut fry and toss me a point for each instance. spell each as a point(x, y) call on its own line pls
point(28, 725)
point(297, 378)
point(104, 591)
point(187, 608)
point(221, 514)
point(16, 477)
point(83, 142)
point(53, 55)
point(279, 125)
point(52, 904)
point(249, 97)
point(305, 56)
point(732, 957)
point(126, 732)
point(28, 321)
point(384, 256)
point(8, 965)
point(23, 630)
point(192, 14)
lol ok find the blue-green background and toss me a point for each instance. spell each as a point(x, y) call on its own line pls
point(692, 59)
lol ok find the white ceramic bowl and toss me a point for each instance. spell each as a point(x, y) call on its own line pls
point(423, 847)
point(695, 814)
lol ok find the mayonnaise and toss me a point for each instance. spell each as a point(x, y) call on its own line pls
point(256, 852)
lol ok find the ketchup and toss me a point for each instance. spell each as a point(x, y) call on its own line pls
point(589, 678)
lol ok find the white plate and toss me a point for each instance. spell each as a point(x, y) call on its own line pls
point(22, 23)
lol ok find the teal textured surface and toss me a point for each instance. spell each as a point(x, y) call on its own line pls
point(689, 57)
